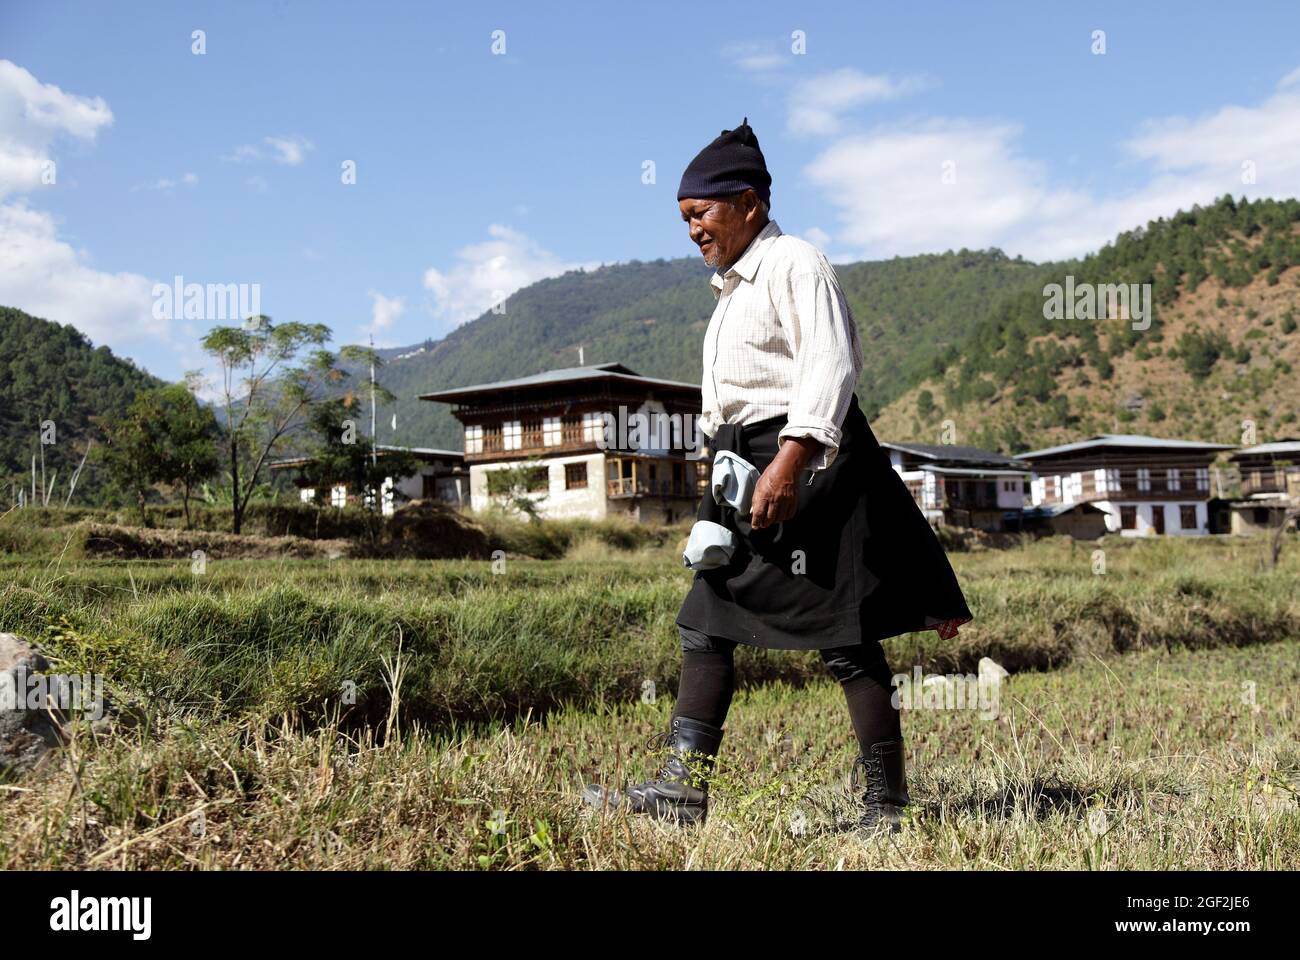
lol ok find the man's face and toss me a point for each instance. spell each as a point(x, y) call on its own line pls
point(722, 228)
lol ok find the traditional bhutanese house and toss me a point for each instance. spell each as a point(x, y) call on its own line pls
point(1146, 485)
point(588, 441)
point(1270, 485)
point(442, 475)
point(960, 486)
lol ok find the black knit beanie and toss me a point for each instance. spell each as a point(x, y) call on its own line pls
point(731, 164)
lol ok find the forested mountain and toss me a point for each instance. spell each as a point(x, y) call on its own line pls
point(651, 316)
point(1221, 349)
point(959, 337)
point(50, 371)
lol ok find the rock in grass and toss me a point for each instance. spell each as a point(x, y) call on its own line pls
point(26, 736)
point(991, 671)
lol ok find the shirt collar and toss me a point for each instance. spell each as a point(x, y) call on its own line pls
point(747, 265)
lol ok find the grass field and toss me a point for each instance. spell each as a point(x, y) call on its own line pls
point(1151, 721)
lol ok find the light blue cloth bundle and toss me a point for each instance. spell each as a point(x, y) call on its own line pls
point(711, 545)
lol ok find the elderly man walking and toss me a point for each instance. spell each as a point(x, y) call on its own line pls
point(809, 540)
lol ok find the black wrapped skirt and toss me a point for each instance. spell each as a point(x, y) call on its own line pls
point(858, 560)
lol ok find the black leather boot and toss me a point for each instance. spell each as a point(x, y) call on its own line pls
point(885, 791)
point(681, 791)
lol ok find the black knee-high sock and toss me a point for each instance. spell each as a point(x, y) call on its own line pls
point(872, 711)
point(707, 682)
point(865, 677)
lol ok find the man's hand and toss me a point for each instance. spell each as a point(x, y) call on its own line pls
point(776, 495)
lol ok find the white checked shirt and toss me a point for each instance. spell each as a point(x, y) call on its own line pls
point(781, 341)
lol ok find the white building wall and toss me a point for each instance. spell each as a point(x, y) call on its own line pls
point(1146, 521)
point(589, 501)
point(1013, 498)
point(412, 488)
point(931, 490)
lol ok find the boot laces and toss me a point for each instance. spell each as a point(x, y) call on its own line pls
point(689, 759)
point(659, 741)
point(875, 788)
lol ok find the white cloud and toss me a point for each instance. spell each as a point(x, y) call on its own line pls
point(33, 115)
point(487, 272)
point(166, 183)
point(1220, 142)
point(888, 186)
point(40, 272)
point(243, 152)
point(289, 150)
point(889, 190)
point(384, 311)
point(45, 276)
point(815, 105)
point(754, 57)
point(818, 237)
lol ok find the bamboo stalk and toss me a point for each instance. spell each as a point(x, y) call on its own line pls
point(72, 484)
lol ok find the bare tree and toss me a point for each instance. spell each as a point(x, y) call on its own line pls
point(271, 375)
point(1289, 518)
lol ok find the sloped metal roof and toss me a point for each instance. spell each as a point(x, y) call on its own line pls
point(1024, 471)
point(382, 448)
point(1124, 441)
point(600, 371)
point(1265, 449)
point(948, 451)
point(1053, 510)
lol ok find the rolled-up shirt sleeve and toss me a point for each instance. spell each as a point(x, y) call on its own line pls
point(827, 360)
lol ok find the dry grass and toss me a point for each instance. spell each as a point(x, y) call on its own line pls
point(1144, 761)
point(1128, 740)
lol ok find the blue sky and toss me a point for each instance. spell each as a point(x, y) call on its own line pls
point(479, 172)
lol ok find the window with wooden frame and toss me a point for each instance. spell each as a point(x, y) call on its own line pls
point(474, 439)
point(1128, 517)
point(593, 427)
point(575, 476)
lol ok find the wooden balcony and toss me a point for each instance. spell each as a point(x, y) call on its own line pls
point(1283, 481)
point(532, 444)
point(638, 476)
point(634, 486)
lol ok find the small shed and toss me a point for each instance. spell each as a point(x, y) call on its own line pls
point(1082, 521)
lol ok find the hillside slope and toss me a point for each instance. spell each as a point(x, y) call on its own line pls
point(652, 315)
point(1222, 349)
point(959, 336)
point(50, 371)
